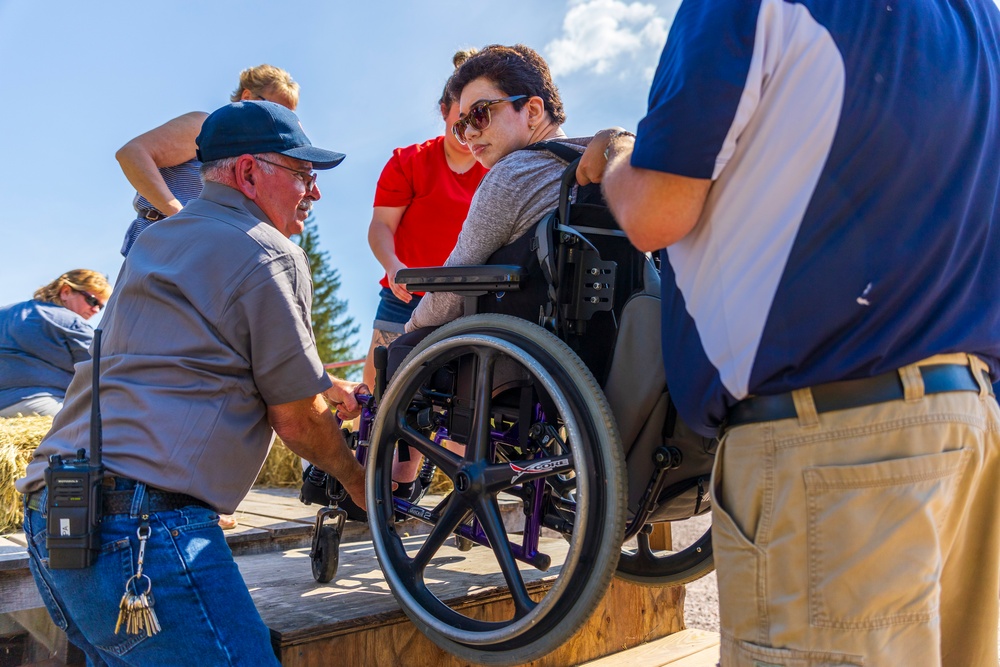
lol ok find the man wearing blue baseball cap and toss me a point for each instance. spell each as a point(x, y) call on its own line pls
point(207, 351)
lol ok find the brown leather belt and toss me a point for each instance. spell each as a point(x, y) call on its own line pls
point(120, 501)
point(848, 394)
point(151, 214)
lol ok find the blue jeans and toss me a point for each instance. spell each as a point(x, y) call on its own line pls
point(205, 611)
point(392, 313)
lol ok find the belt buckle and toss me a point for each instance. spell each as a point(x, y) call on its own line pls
point(153, 215)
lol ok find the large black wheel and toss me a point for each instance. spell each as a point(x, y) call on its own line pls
point(565, 469)
point(688, 558)
point(326, 555)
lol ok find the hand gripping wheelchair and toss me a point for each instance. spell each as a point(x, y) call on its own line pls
point(567, 310)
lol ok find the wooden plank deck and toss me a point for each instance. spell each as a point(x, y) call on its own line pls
point(357, 618)
point(687, 648)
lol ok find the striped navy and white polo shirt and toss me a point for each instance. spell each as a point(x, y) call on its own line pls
point(853, 225)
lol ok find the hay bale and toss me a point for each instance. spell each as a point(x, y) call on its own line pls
point(19, 436)
point(440, 484)
point(283, 468)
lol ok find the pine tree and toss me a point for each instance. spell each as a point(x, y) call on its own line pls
point(333, 328)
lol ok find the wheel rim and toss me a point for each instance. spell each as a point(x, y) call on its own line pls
point(476, 479)
point(644, 564)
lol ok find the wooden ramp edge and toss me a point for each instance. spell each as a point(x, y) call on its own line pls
point(687, 648)
point(356, 618)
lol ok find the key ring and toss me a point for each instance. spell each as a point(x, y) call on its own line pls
point(135, 587)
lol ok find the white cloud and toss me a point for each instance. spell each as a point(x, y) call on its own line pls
point(611, 36)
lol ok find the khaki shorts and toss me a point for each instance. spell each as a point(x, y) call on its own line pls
point(867, 536)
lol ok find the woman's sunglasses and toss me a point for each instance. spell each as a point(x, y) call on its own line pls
point(91, 300)
point(478, 117)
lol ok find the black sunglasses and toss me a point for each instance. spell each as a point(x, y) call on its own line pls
point(478, 117)
point(91, 300)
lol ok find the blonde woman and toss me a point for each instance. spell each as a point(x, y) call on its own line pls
point(161, 163)
point(42, 339)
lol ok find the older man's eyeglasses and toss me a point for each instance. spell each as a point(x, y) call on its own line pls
point(308, 178)
point(91, 300)
point(478, 117)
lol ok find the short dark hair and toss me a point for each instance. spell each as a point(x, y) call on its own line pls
point(515, 70)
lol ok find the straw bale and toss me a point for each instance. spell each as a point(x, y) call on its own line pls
point(19, 436)
point(283, 468)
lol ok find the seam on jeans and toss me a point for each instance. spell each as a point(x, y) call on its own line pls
point(882, 427)
point(209, 623)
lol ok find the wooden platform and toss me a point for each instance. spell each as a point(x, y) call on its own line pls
point(356, 618)
point(687, 648)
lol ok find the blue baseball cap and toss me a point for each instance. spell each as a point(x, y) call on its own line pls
point(259, 127)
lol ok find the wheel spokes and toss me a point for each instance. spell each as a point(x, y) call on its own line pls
point(450, 518)
point(479, 447)
point(502, 476)
point(445, 460)
point(492, 523)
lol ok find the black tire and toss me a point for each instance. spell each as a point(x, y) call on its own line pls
point(534, 629)
point(327, 558)
point(649, 567)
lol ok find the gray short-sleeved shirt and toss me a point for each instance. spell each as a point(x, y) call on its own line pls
point(209, 323)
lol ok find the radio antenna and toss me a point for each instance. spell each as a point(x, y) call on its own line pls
point(96, 432)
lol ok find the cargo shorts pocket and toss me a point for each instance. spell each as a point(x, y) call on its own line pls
point(737, 565)
point(747, 654)
point(874, 539)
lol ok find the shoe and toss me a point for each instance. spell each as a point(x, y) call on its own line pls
point(313, 487)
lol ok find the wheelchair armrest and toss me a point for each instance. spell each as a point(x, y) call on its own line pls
point(477, 278)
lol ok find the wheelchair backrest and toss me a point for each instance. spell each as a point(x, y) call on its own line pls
point(589, 285)
point(580, 271)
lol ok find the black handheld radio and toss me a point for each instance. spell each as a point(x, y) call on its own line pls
point(74, 498)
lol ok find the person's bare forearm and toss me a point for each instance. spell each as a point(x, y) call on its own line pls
point(168, 145)
point(309, 429)
point(143, 174)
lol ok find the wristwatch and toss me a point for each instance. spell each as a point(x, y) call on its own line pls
point(611, 140)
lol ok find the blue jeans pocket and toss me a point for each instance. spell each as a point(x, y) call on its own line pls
point(90, 596)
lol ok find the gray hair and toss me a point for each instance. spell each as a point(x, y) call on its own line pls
point(221, 171)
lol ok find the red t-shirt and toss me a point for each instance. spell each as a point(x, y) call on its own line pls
point(436, 200)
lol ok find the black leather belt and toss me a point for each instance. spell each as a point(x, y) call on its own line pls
point(151, 214)
point(848, 394)
point(120, 501)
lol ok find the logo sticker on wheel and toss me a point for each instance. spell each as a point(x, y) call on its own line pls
point(539, 468)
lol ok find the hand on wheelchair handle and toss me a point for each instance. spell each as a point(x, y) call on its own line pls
point(347, 397)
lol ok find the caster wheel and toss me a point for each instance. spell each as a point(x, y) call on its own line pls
point(325, 555)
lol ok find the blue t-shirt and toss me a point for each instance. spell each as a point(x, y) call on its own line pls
point(853, 225)
point(39, 344)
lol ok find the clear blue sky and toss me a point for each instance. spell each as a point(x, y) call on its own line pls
point(83, 78)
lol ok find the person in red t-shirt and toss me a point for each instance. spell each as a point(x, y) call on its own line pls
point(421, 201)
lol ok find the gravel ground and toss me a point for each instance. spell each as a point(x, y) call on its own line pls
point(701, 603)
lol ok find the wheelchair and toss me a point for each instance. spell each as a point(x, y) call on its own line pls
point(548, 396)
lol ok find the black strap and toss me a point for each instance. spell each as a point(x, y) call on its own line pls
point(560, 150)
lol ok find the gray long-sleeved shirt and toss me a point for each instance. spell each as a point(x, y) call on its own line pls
point(521, 188)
